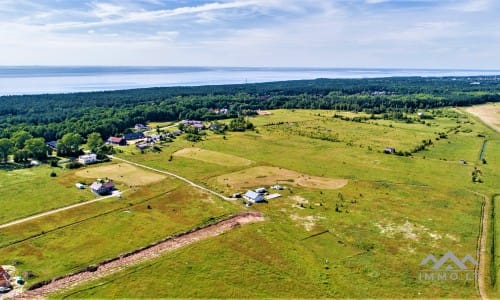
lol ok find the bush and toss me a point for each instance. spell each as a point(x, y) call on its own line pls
point(74, 165)
point(53, 174)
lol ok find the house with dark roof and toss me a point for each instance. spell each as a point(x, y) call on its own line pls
point(52, 145)
point(253, 196)
point(117, 140)
point(134, 136)
point(101, 188)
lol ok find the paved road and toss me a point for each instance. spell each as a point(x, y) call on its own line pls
point(176, 176)
point(50, 212)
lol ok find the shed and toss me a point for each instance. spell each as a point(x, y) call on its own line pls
point(260, 190)
point(390, 150)
point(253, 196)
point(80, 186)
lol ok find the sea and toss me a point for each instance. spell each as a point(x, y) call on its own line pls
point(19, 80)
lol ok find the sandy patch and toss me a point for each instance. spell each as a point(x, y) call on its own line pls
point(213, 157)
point(489, 114)
point(122, 172)
point(308, 221)
point(264, 176)
point(409, 231)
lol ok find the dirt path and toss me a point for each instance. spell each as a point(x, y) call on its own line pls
point(482, 249)
point(123, 261)
point(50, 212)
point(176, 176)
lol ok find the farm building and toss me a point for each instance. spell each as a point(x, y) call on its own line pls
point(80, 186)
point(117, 140)
point(253, 196)
point(390, 150)
point(87, 159)
point(134, 136)
point(102, 188)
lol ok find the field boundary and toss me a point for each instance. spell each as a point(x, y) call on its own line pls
point(149, 252)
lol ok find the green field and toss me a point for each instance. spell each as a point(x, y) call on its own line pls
point(365, 239)
point(29, 191)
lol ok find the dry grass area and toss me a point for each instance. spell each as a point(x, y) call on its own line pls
point(489, 114)
point(264, 176)
point(121, 172)
point(213, 157)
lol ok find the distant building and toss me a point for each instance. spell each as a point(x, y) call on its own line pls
point(141, 127)
point(389, 150)
point(117, 141)
point(191, 122)
point(87, 159)
point(142, 146)
point(80, 186)
point(134, 136)
point(102, 188)
point(52, 145)
point(253, 196)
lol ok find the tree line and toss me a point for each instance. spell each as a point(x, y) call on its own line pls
point(51, 116)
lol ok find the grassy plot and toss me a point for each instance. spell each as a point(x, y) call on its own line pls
point(213, 157)
point(85, 236)
point(29, 191)
point(265, 176)
point(122, 172)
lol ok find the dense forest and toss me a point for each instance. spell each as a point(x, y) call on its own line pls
point(51, 116)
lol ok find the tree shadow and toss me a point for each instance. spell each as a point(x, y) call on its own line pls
point(13, 166)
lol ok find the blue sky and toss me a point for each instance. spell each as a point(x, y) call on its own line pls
point(264, 33)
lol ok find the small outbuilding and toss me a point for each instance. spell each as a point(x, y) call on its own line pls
point(80, 186)
point(261, 190)
point(253, 196)
point(390, 150)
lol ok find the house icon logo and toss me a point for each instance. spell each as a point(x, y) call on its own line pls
point(448, 267)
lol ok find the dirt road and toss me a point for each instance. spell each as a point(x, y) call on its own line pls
point(176, 176)
point(123, 261)
point(50, 212)
point(483, 242)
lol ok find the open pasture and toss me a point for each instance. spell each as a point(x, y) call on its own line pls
point(71, 240)
point(213, 157)
point(25, 192)
point(122, 172)
point(265, 176)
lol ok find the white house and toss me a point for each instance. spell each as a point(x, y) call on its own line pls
point(87, 159)
point(253, 196)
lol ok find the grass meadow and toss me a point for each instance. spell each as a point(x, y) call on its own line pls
point(365, 239)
